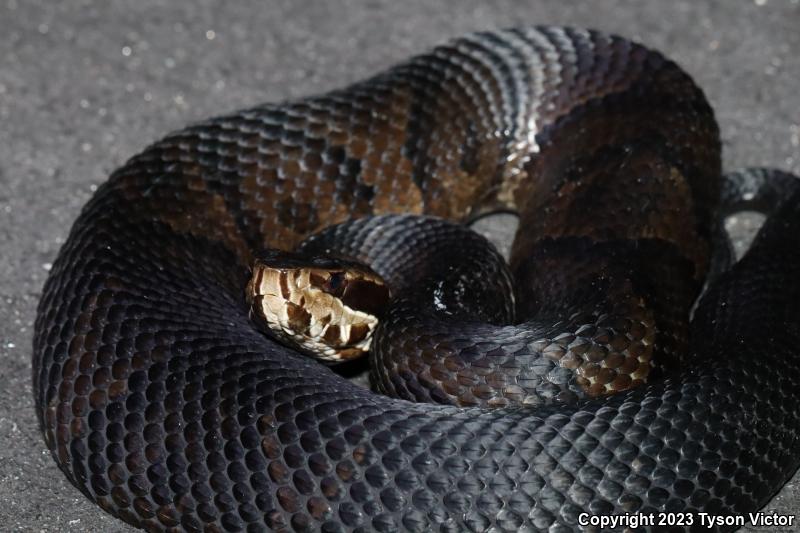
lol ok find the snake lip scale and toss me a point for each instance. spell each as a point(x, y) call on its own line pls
point(161, 400)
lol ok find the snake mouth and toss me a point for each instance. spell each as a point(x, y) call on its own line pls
point(326, 307)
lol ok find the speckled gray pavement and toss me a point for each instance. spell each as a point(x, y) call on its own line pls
point(84, 85)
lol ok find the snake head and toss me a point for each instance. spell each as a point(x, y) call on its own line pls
point(325, 306)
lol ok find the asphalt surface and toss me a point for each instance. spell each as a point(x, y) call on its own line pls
point(85, 85)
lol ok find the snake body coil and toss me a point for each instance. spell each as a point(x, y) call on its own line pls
point(162, 402)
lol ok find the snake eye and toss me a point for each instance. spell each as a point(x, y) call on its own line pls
point(335, 282)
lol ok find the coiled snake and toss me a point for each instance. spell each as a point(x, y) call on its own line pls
point(163, 402)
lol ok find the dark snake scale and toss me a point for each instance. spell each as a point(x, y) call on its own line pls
point(166, 405)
